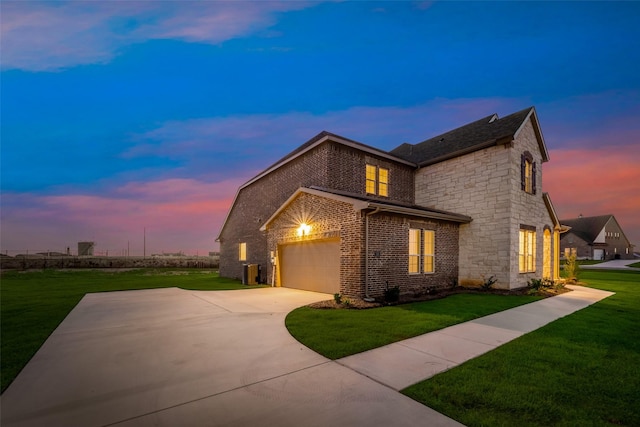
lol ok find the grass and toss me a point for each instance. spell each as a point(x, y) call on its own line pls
point(340, 333)
point(34, 303)
point(634, 265)
point(581, 370)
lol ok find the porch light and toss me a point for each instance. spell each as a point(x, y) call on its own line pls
point(304, 229)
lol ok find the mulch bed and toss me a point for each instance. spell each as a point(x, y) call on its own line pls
point(359, 304)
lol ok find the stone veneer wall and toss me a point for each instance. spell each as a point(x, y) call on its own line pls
point(527, 209)
point(329, 165)
point(485, 185)
point(476, 185)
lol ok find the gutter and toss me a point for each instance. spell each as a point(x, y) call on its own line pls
point(366, 254)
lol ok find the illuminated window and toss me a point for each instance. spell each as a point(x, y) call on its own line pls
point(528, 173)
point(371, 179)
point(414, 251)
point(242, 252)
point(377, 180)
point(527, 250)
point(429, 250)
point(383, 182)
point(421, 251)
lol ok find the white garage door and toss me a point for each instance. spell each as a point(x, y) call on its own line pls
point(312, 266)
point(598, 254)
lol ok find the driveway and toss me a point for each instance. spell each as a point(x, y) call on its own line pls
point(168, 357)
point(616, 264)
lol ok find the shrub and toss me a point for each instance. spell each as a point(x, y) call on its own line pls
point(392, 294)
point(571, 266)
point(337, 298)
point(536, 285)
point(488, 283)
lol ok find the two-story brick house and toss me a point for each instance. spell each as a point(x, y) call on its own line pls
point(338, 216)
point(595, 237)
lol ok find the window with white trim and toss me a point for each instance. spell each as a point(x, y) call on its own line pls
point(527, 250)
point(414, 251)
point(377, 180)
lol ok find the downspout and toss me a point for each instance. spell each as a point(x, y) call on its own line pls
point(366, 254)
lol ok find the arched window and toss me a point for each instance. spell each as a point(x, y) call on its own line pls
point(528, 173)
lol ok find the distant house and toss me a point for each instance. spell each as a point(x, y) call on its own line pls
point(595, 237)
point(339, 216)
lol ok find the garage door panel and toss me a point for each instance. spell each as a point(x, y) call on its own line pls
point(312, 266)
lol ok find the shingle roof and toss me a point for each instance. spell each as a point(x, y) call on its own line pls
point(474, 136)
point(588, 227)
point(430, 212)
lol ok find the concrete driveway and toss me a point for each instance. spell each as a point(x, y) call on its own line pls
point(169, 357)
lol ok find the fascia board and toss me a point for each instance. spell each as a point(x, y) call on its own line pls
point(418, 212)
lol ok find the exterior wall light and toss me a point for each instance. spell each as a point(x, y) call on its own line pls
point(304, 229)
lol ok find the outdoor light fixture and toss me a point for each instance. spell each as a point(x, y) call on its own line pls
point(304, 229)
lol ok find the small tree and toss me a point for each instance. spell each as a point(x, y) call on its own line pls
point(571, 267)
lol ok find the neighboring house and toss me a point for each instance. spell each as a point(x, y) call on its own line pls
point(338, 216)
point(595, 237)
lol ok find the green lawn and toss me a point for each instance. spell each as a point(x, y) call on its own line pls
point(340, 333)
point(32, 304)
point(581, 370)
point(634, 265)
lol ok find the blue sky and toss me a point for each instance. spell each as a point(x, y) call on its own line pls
point(120, 116)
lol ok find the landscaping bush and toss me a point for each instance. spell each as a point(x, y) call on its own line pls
point(392, 294)
point(571, 267)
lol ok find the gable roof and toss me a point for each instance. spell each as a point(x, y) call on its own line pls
point(360, 202)
point(321, 138)
point(471, 137)
point(587, 228)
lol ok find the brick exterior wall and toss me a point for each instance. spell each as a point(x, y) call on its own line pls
point(388, 245)
point(329, 219)
point(485, 185)
point(329, 165)
point(389, 254)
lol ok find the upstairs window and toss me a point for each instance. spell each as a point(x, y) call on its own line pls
point(528, 173)
point(377, 180)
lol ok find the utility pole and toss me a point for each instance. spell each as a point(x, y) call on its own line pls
point(144, 243)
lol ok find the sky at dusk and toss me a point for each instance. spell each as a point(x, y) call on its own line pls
point(121, 117)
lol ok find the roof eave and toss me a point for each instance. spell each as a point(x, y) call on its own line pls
point(462, 219)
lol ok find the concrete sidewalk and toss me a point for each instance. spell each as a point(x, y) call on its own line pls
point(407, 362)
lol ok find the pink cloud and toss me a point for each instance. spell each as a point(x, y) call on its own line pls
point(597, 181)
point(178, 214)
point(48, 36)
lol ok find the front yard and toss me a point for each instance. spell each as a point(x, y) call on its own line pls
point(340, 333)
point(33, 303)
point(579, 370)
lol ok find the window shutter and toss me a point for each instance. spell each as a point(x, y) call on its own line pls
point(533, 177)
point(522, 171)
